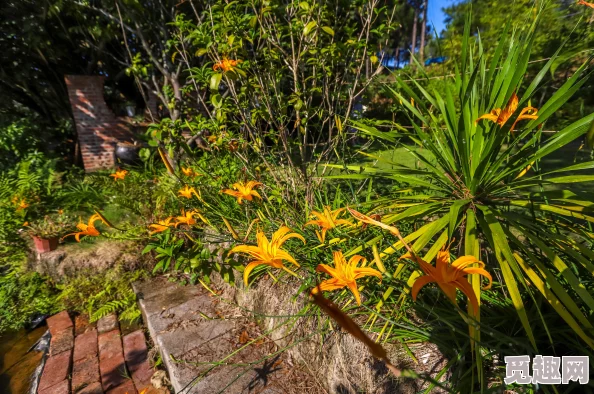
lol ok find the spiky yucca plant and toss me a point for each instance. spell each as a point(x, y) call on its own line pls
point(480, 180)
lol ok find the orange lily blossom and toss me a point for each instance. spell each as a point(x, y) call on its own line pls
point(189, 172)
point(188, 218)
point(88, 229)
point(502, 116)
point(22, 205)
point(327, 220)
point(120, 174)
point(244, 191)
point(226, 65)
point(582, 2)
point(188, 191)
point(345, 274)
point(450, 277)
point(161, 225)
point(268, 252)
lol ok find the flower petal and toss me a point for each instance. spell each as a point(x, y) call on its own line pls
point(353, 288)
point(329, 285)
point(363, 272)
point(249, 268)
point(328, 270)
point(419, 283)
point(449, 290)
point(491, 117)
point(482, 272)
point(467, 289)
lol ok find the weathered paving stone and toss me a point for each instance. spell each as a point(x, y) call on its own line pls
point(85, 345)
point(85, 372)
point(107, 323)
point(59, 388)
point(62, 341)
point(124, 388)
point(93, 388)
point(111, 360)
point(56, 370)
point(58, 322)
point(179, 321)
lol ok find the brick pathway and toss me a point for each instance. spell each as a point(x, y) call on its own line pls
point(88, 360)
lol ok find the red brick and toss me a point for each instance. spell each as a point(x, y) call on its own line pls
point(59, 322)
point(85, 345)
point(124, 388)
point(135, 351)
point(93, 388)
point(111, 359)
point(142, 375)
point(113, 372)
point(62, 341)
point(110, 344)
point(58, 388)
point(56, 369)
point(85, 372)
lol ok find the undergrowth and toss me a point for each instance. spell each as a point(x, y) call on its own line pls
point(101, 294)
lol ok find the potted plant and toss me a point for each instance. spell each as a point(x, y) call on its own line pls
point(46, 231)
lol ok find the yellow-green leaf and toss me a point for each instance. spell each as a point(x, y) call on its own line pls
point(308, 28)
point(328, 30)
point(215, 80)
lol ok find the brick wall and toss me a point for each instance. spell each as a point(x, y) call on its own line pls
point(97, 127)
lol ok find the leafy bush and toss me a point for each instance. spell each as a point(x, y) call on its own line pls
point(23, 295)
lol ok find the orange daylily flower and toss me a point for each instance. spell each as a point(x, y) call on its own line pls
point(327, 220)
point(189, 172)
point(582, 2)
point(188, 218)
point(22, 205)
point(188, 191)
point(226, 65)
point(244, 191)
point(502, 116)
point(268, 252)
point(345, 274)
point(25, 224)
point(60, 211)
point(161, 225)
point(89, 228)
point(143, 391)
point(450, 277)
point(120, 174)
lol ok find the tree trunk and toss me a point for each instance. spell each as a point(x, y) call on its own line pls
point(413, 45)
point(423, 31)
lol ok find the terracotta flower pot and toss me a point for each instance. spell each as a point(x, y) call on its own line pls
point(43, 245)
